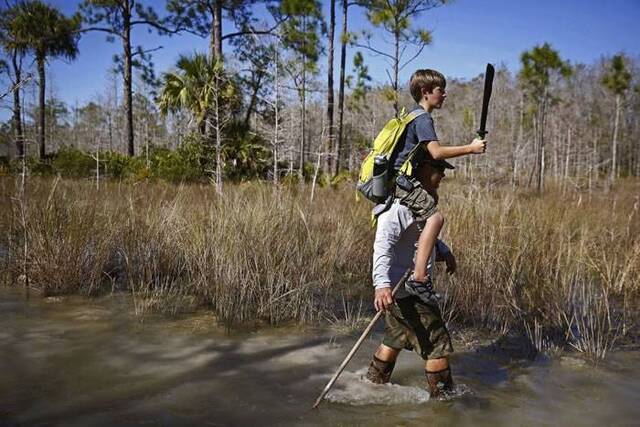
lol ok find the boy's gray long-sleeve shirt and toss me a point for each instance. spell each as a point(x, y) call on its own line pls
point(395, 246)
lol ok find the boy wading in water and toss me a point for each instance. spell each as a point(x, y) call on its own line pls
point(409, 228)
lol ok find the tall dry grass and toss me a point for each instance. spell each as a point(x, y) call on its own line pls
point(562, 267)
point(254, 252)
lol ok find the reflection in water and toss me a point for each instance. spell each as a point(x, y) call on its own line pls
point(82, 362)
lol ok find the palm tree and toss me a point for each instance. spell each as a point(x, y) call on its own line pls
point(202, 87)
point(10, 46)
point(189, 87)
point(45, 32)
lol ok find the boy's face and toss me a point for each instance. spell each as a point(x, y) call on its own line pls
point(436, 97)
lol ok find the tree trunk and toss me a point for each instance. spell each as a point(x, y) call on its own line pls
point(614, 142)
point(218, 138)
point(110, 125)
point(276, 131)
point(637, 147)
point(595, 169)
point(536, 147)
point(343, 58)
point(519, 141)
point(41, 104)
point(128, 90)
point(555, 154)
point(304, 102)
point(17, 115)
point(254, 99)
point(396, 64)
point(215, 47)
point(566, 160)
point(331, 161)
point(304, 120)
point(541, 152)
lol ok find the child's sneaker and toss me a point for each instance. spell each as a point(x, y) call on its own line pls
point(423, 290)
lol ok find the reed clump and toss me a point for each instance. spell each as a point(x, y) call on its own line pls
point(564, 267)
point(253, 253)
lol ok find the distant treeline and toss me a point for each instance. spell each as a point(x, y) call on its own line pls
point(260, 107)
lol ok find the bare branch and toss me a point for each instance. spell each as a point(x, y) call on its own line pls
point(413, 57)
point(386, 70)
point(371, 48)
point(253, 31)
point(144, 52)
point(156, 25)
point(100, 29)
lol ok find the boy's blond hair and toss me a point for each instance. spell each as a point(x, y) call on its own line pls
point(425, 79)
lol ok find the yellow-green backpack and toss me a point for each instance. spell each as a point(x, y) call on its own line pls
point(384, 146)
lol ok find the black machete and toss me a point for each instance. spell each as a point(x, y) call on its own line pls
point(488, 85)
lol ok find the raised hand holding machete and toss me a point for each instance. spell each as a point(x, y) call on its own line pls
point(488, 86)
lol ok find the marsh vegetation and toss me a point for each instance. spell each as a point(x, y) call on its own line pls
point(562, 268)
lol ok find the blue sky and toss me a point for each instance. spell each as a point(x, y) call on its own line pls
point(466, 35)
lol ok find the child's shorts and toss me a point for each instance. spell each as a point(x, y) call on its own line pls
point(413, 325)
point(421, 204)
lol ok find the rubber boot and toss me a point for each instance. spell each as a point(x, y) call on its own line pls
point(380, 371)
point(439, 382)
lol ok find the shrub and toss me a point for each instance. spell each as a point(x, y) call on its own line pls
point(136, 169)
point(175, 166)
point(70, 162)
point(245, 156)
point(115, 164)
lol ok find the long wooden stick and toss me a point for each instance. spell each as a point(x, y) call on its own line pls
point(358, 343)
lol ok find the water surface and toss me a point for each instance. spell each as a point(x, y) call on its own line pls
point(90, 362)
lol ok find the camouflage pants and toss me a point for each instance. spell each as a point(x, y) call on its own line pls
point(413, 325)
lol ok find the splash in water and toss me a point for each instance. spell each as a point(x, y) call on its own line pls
point(354, 389)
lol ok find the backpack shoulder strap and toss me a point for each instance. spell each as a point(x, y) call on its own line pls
point(406, 167)
point(412, 115)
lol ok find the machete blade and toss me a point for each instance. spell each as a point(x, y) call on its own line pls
point(488, 85)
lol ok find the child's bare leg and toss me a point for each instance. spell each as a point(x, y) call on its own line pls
point(438, 375)
point(382, 364)
point(426, 242)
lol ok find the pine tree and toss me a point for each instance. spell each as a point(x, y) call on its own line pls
point(617, 80)
point(117, 18)
point(540, 66)
point(331, 162)
point(344, 38)
point(301, 34)
point(204, 18)
point(395, 17)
